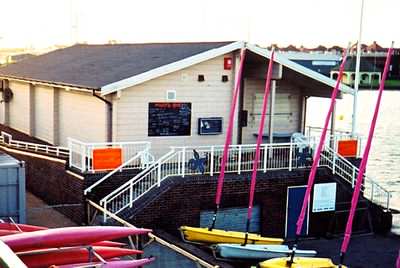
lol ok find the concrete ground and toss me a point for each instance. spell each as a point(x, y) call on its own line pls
point(39, 213)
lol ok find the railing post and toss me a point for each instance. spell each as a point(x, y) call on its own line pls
point(372, 190)
point(131, 194)
point(212, 161)
point(334, 162)
point(290, 155)
point(104, 213)
point(240, 158)
point(83, 157)
point(265, 158)
point(387, 200)
point(159, 174)
point(183, 161)
point(353, 175)
point(179, 164)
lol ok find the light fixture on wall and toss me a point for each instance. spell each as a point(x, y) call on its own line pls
point(200, 78)
point(171, 95)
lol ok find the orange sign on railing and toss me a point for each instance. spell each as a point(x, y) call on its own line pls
point(348, 148)
point(107, 158)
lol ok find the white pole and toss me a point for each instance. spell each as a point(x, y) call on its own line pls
point(357, 77)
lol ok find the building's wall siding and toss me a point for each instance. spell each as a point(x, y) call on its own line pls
point(209, 99)
point(81, 116)
point(287, 109)
point(19, 107)
point(44, 113)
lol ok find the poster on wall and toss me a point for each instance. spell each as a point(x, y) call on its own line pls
point(169, 119)
point(324, 198)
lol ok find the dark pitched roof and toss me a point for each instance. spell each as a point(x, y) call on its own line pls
point(350, 66)
point(94, 66)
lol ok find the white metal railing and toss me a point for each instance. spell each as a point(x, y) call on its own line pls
point(181, 161)
point(81, 156)
point(58, 151)
point(347, 171)
point(333, 139)
point(126, 194)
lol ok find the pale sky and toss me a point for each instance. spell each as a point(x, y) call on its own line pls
point(41, 23)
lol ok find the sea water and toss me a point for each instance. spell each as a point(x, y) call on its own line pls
point(384, 160)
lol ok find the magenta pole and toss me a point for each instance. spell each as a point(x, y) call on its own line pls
point(317, 155)
point(228, 138)
point(364, 161)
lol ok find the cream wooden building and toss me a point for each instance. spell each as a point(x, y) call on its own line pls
point(98, 93)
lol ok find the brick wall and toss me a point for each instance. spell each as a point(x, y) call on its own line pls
point(181, 201)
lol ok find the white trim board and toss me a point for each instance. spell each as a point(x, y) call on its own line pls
point(169, 68)
point(279, 58)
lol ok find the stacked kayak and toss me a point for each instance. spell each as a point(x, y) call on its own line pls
point(299, 262)
point(215, 236)
point(70, 246)
point(257, 252)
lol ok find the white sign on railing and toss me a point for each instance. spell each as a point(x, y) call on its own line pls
point(324, 198)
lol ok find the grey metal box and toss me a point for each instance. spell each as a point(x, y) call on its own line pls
point(12, 188)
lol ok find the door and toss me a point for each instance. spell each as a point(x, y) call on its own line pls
point(295, 196)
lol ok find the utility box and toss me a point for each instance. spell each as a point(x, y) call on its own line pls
point(12, 188)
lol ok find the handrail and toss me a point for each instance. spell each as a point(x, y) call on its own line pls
point(155, 238)
point(128, 183)
point(87, 190)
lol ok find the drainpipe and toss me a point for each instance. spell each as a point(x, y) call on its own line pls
point(109, 115)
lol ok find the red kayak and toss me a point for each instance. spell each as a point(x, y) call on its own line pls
point(8, 232)
point(23, 227)
point(68, 237)
point(109, 264)
point(109, 244)
point(46, 258)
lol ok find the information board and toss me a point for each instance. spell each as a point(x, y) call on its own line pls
point(169, 119)
point(324, 198)
point(210, 126)
point(107, 158)
point(348, 148)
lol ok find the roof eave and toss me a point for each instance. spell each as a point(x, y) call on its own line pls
point(169, 68)
point(49, 83)
point(299, 68)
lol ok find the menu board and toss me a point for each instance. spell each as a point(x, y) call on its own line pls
point(169, 119)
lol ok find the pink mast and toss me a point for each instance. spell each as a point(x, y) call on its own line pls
point(364, 160)
point(317, 155)
point(228, 138)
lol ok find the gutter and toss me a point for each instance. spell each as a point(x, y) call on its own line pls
point(109, 115)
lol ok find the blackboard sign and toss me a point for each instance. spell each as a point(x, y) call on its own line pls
point(210, 126)
point(169, 119)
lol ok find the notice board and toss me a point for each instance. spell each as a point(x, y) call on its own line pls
point(324, 197)
point(169, 119)
point(347, 148)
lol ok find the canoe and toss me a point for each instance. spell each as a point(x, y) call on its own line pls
point(8, 232)
point(203, 235)
point(48, 257)
point(299, 262)
point(109, 244)
point(23, 227)
point(110, 264)
point(68, 237)
point(258, 252)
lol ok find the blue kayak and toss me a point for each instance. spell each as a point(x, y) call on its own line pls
point(258, 252)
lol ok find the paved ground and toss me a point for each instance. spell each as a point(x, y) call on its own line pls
point(39, 213)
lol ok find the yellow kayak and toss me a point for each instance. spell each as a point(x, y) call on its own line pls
point(299, 262)
point(203, 235)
